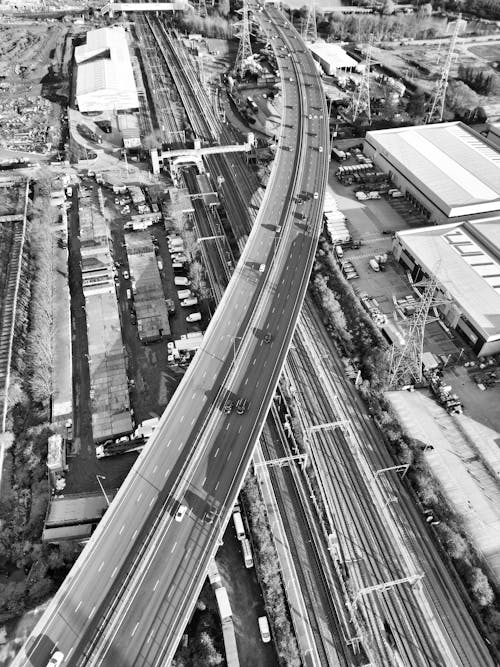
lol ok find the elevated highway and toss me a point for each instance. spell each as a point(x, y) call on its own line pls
point(128, 597)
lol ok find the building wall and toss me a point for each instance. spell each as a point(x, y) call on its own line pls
point(452, 313)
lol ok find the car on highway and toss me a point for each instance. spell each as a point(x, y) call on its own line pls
point(133, 317)
point(315, 195)
point(241, 406)
point(56, 659)
point(320, 149)
point(126, 274)
point(228, 407)
point(268, 338)
point(262, 268)
point(179, 515)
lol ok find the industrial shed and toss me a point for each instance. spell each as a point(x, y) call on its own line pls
point(105, 77)
point(332, 57)
point(448, 170)
point(465, 257)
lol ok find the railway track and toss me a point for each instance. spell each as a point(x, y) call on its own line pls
point(423, 625)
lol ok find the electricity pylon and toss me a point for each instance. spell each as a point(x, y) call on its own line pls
point(406, 362)
point(310, 32)
point(436, 111)
point(244, 54)
point(362, 100)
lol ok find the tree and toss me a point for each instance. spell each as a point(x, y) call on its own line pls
point(460, 98)
point(425, 11)
point(205, 653)
point(480, 587)
point(223, 7)
point(416, 104)
point(388, 7)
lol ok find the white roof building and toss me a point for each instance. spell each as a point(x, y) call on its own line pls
point(448, 168)
point(331, 57)
point(465, 257)
point(105, 77)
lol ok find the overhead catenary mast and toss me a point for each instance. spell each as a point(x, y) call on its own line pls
point(310, 32)
point(361, 102)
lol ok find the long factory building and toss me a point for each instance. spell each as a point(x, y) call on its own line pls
point(465, 257)
point(449, 171)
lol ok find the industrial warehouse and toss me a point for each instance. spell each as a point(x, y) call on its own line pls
point(105, 77)
point(465, 258)
point(448, 170)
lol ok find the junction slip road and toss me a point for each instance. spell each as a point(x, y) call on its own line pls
point(127, 599)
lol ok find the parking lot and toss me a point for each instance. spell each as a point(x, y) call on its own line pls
point(374, 222)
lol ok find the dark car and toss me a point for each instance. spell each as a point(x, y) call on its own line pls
point(228, 407)
point(242, 406)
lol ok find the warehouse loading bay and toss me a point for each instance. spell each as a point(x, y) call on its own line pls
point(373, 222)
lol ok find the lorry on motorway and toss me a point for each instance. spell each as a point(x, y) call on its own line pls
point(223, 603)
point(374, 265)
point(238, 525)
point(247, 552)
point(191, 301)
point(194, 317)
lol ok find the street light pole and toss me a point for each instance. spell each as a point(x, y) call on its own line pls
point(99, 477)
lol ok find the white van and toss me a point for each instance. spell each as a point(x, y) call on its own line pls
point(184, 294)
point(129, 293)
point(247, 552)
point(264, 629)
point(339, 252)
point(194, 317)
point(178, 266)
point(182, 281)
point(238, 524)
point(191, 301)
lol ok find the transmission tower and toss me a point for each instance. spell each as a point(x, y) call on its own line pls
point(406, 362)
point(310, 33)
point(435, 115)
point(362, 100)
point(244, 55)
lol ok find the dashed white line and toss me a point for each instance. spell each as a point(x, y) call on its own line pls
point(216, 486)
point(156, 585)
point(216, 452)
point(193, 396)
point(181, 419)
point(227, 427)
point(253, 362)
point(121, 530)
point(139, 498)
point(135, 628)
point(173, 548)
point(78, 606)
point(239, 430)
point(166, 472)
point(151, 501)
point(168, 443)
point(114, 572)
point(134, 535)
point(229, 455)
point(92, 612)
point(246, 381)
point(101, 566)
point(155, 469)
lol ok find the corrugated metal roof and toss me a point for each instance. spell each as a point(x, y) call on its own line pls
point(466, 268)
point(451, 164)
point(105, 77)
point(333, 54)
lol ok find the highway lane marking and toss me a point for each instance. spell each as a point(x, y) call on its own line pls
point(265, 362)
point(216, 486)
point(204, 374)
point(101, 566)
point(78, 606)
point(121, 530)
point(257, 384)
point(180, 421)
point(246, 381)
point(216, 452)
point(139, 498)
point(227, 427)
point(193, 396)
point(168, 443)
point(253, 363)
point(156, 585)
point(172, 549)
point(151, 501)
point(150, 636)
point(135, 628)
point(273, 310)
point(166, 472)
point(155, 469)
point(204, 480)
point(92, 612)
point(114, 572)
point(134, 535)
point(239, 430)
point(229, 455)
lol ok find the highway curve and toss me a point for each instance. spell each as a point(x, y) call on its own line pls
point(129, 595)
